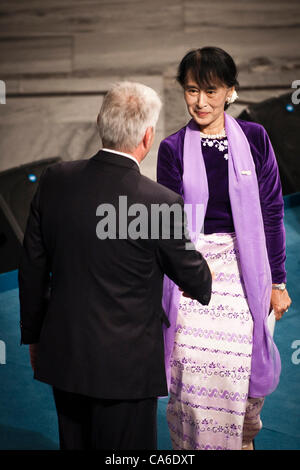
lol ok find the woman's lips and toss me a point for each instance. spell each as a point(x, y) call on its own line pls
point(201, 114)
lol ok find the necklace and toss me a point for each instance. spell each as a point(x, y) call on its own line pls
point(213, 136)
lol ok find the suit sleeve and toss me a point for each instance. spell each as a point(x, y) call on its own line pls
point(34, 275)
point(186, 267)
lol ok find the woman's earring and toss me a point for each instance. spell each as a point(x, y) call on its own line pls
point(232, 98)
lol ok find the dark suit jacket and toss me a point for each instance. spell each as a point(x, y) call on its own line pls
point(99, 324)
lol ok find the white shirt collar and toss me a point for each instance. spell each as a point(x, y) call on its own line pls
point(122, 153)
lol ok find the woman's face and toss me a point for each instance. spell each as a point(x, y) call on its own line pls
point(206, 106)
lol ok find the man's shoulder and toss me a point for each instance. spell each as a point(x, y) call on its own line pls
point(157, 193)
point(61, 172)
point(66, 167)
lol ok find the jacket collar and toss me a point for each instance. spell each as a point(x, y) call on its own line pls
point(115, 159)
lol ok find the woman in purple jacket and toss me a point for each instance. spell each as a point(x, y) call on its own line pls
point(221, 360)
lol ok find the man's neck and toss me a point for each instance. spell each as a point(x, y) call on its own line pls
point(124, 154)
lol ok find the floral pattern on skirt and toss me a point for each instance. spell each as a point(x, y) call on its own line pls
point(211, 360)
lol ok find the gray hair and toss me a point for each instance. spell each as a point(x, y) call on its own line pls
point(128, 109)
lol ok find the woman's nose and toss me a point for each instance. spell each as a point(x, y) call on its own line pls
point(202, 99)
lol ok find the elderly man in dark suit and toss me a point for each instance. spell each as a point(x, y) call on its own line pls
point(91, 280)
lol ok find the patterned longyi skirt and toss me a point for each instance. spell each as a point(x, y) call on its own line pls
point(209, 407)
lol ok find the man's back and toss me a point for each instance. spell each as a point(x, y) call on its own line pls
point(91, 306)
point(102, 332)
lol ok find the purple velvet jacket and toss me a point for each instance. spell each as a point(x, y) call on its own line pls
point(170, 172)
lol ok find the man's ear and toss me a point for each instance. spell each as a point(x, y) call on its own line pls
point(148, 137)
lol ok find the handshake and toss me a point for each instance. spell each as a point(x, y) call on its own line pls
point(185, 294)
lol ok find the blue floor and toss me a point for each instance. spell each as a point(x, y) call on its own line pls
point(27, 412)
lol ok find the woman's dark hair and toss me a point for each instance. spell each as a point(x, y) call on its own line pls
point(208, 65)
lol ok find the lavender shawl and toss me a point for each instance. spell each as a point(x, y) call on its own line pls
point(249, 229)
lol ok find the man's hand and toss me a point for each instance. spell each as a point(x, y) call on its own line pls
point(33, 351)
point(280, 302)
point(185, 294)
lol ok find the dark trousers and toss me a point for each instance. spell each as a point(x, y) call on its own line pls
point(87, 423)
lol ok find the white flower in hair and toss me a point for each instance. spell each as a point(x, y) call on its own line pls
point(232, 98)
